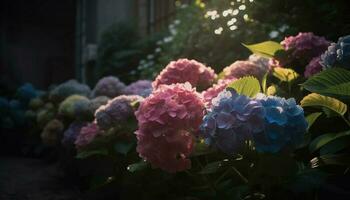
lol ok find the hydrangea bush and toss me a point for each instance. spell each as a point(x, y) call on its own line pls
point(109, 86)
point(184, 70)
point(233, 120)
point(168, 120)
point(337, 54)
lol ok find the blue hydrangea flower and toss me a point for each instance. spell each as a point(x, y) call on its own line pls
point(233, 120)
point(26, 92)
point(285, 124)
point(338, 54)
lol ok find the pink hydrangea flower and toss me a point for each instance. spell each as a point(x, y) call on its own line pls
point(313, 67)
point(167, 120)
point(240, 69)
point(301, 49)
point(212, 92)
point(109, 86)
point(116, 112)
point(305, 45)
point(184, 70)
point(140, 87)
point(87, 134)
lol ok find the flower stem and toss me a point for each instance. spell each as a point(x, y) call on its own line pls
point(244, 179)
point(346, 121)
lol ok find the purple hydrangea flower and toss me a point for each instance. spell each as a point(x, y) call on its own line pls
point(301, 49)
point(71, 134)
point(338, 54)
point(233, 120)
point(313, 67)
point(109, 86)
point(117, 111)
point(285, 124)
point(140, 87)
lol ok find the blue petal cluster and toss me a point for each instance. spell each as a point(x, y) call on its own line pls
point(338, 54)
point(233, 120)
point(25, 93)
point(285, 124)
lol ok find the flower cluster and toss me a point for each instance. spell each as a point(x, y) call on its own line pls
point(184, 70)
point(233, 120)
point(116, 112)
point(68, 88)
point(240, 69)
point(75, 106)
point(313, 67)
point(71, 134)
point(52, 132)
point(273, 123)
point(109, 86)
point(140, 87)
point(97, 102)
point(263, 63)
point(26, 92)
point(285, 124)
point(338, 54)
point(45, 114)
point(212, 92)
point(167, 120)
point(87, 134)
point(301, 49)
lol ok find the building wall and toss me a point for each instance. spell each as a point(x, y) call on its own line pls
point(37, 42)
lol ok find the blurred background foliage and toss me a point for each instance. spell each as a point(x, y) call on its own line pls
point(212, 32)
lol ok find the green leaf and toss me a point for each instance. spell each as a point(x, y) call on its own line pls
point(332, 82)
point(324, 139)
point(123, 147)
point(266, 49)
point(201, 148)
point(285, 74)
point(100, 181)
point(211, 168)
point(314, 99)
point(336, 145)
point(312, 118)
point(88, 153)
point(331, 159)
point(248, 86)
point(137, 166)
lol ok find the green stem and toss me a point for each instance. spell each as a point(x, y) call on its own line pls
point(221, 177)
point(210, 184)
point(346, 121)
point(244, 179)
point(289, 88)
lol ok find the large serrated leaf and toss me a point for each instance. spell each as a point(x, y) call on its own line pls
point(332, 82)
point(314, 99)
point(312, 118)
point(285, 74)
point(248, 86)
point(324, 139)
point(266, 49)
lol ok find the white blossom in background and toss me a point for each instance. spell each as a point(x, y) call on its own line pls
point(236, 10)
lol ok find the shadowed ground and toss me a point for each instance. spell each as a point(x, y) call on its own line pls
point(32, 179)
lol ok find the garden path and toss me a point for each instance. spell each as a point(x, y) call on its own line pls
point(32, 179)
